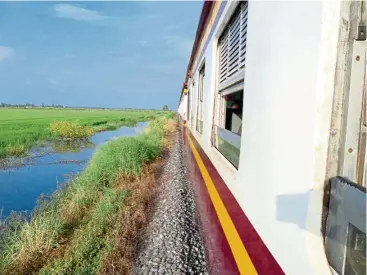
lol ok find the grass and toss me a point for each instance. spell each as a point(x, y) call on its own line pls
point(23, 128)
point(91, 225)
point(85, 253)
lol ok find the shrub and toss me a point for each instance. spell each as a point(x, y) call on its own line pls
point(70, 129)
point(16, 150)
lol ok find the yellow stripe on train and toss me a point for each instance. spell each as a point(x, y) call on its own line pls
point(243, 260)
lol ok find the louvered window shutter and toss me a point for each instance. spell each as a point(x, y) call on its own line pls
point(223, 57)
point(232, 45)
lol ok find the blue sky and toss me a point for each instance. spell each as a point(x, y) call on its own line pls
point(107, 54)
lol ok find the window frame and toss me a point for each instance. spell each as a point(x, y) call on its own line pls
point(232, 84)
point(200, 98)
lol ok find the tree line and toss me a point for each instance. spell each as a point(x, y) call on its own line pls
point(30, 105)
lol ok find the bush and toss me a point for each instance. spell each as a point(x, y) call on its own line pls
point(70, 129)
point(16, 150)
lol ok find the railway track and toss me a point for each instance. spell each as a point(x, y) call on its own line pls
point(172, 243)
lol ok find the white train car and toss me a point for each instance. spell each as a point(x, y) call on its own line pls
point(274, 111)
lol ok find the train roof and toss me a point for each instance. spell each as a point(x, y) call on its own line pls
point(207, 7)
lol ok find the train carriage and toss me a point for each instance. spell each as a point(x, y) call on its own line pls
point(273, 112)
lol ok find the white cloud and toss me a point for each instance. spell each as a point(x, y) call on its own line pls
point(174, 27)
point(143, 42)
point(69, 56)
point(151, 16)
point(52, 81)
point(78, 13)
point(5, 52)
point(180, 45)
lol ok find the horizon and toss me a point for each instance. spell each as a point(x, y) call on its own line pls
point(55, 106)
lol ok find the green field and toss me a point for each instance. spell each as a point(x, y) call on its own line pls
point(23, 128)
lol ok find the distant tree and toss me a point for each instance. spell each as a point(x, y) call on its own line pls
point(165, 108)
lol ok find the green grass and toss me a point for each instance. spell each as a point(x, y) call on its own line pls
point(82, 213)
point(23, 128)
point(85, 253)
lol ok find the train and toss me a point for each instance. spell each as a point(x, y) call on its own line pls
point(273, 117)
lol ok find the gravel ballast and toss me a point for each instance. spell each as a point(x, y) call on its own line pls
point(172, 242)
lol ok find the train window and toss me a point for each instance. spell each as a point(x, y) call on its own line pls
point(199, 117)
point(227, 128)
point(345, 232)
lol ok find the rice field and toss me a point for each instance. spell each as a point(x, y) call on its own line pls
point(23, 128)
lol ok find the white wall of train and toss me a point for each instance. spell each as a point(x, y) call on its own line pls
point(293, 49)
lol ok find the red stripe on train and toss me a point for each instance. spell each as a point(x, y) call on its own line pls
point(218, 253)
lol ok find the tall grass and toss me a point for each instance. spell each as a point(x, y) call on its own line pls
point(85, 253)
point(71, 234)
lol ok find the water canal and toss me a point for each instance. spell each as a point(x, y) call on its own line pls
point(22, 183)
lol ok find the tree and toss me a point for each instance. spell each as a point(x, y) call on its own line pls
point(165, 108)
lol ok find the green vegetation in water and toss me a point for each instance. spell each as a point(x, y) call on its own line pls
point(23, 128)
point(71, 145)
point(75, 231)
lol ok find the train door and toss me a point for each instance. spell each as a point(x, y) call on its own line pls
point(345, 193)
point(347, 141)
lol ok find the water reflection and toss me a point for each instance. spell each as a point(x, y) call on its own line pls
point(71, 145)
point(48, 167)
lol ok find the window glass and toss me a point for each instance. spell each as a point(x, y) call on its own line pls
point(233, 117)
point(355, 262)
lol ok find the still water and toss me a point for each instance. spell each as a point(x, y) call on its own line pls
point(20, 187)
